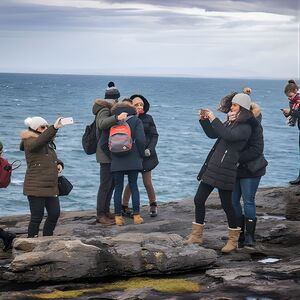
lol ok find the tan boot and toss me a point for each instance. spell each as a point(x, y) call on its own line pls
point(119, 220)
point(137, 219)
point(232, 243)
point(196, 237)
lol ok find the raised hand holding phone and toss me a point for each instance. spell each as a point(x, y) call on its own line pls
point(67, 121)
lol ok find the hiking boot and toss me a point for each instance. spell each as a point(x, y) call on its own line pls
point(126, 211)
point(137, 219)
point(119, 221)
point(110, 215)
point(104, 220)
point(153, 209)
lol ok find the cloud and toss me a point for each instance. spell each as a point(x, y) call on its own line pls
point(145, 37)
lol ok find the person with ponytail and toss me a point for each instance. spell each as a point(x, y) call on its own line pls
point(41, 178)
point(292, 113)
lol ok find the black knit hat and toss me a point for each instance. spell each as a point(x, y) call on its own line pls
point(1, 147)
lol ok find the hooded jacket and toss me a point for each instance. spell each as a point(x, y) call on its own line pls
point(150, 162)
point(104, 120)
point(220, 167)
point(134, 158)
point(41, 174)
point(254, 147)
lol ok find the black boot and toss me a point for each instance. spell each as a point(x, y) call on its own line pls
point(241, 224)
point(7, 238)
point(296, 181)
point(250, 231)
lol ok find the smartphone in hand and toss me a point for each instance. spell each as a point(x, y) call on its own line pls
point(67, 121)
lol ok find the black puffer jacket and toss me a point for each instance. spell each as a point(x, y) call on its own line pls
point(220, 167)
point(254, 148)
point(149, 163)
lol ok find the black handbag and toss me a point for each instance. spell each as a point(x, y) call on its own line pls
point(64, 186)
point(257, 164)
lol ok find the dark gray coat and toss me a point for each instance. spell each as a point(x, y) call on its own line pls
point(134, 158)
point(220, 167)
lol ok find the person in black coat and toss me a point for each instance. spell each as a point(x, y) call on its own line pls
point(150, 159)
point(129, 163)
point(248, 180)
point(220, 168)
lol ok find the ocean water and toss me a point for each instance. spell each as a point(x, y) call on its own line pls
point(182, 146)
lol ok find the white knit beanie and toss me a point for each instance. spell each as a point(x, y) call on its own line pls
point(35, 122)
point(242, 100)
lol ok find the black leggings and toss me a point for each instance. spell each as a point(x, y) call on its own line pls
point(201, 196)
point(37, 206)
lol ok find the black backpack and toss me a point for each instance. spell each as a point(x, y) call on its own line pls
point(90, 138)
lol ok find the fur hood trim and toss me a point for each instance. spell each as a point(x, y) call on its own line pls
point(255, 108)
point(27, 134)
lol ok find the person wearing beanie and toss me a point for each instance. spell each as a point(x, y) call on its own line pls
point(220, 167)
point(112, 92)
point(292, 113)
point(150, 159)
point(104, 120)
point(6, 236)
point(41, 178)
point(248, 179)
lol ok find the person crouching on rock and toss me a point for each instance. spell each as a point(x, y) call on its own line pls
point(129, 163)
point(220, 168)
point(40, 184)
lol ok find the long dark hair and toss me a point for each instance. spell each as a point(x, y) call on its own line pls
point(291, 87)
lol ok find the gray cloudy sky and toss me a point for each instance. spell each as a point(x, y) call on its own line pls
point(220, 38)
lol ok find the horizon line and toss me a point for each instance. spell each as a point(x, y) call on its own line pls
point(155, 76)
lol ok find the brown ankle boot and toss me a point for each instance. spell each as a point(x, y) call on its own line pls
point(196, 237)
point(119, 220)
point(104, 220)
point(137, 219)
point(232, 243)
point(110, 215)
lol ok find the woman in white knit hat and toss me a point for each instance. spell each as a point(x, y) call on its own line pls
point(40, 184)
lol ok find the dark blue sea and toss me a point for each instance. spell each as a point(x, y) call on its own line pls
point(182, 146)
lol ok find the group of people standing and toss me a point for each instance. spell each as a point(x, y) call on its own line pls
point(142, 157)
point(239, 142)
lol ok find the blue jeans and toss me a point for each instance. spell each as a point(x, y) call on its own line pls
point(119, 184)
point(245, 188)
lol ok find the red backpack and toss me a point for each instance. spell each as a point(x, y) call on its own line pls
point(120, 140)
point(5, 171)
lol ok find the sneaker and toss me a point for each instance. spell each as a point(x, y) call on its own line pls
point(153, 209)
point(126, 211)
point(104, 220)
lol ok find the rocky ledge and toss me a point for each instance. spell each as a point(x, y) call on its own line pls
point(82, 250)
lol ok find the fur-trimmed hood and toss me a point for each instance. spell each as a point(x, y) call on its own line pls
point(27, 134)
point(100, 104)
point(124, 106)
point(256, 110)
